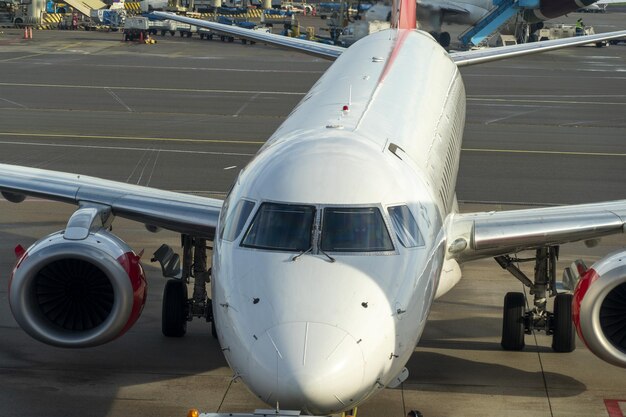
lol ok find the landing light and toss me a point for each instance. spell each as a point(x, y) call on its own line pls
point(193, 413)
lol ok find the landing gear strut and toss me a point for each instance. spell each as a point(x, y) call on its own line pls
point(178, 308)
point(517, 321)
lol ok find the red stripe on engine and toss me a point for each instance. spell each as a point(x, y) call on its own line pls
point(130, 262)
point(579, 293)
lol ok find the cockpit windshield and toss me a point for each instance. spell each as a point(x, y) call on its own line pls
point(406, 227)
point(286, 227)
point(354, 229)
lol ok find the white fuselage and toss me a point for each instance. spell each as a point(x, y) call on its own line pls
point(322, 336)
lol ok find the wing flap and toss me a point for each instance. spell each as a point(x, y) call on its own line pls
point(183, 213)
point(480, 235)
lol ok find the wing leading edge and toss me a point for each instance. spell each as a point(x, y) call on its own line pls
point(480, 56)
point(321, 50)
point(332, 52)
point(183, 213)
point(480, 235)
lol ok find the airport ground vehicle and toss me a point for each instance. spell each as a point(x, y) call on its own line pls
point(361, 28)
point(552, 31)
point(56, 7)
point(162, 27)
point(136, 28)
point(8, 9)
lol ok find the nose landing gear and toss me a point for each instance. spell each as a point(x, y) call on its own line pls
point(517, 320)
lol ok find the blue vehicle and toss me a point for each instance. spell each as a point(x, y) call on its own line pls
point(55, 7)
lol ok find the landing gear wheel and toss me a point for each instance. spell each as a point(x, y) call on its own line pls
point(444, 39)
point(513, 321)
point(563, 339)
point(174, 313)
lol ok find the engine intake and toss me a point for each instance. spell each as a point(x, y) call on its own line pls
point(77, 293)
point(599, 309)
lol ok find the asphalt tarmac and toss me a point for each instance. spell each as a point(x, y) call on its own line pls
point(187, 115)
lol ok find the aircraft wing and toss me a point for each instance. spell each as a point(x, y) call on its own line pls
point(332, 52)
point(321, 50)
point(480, 56)
point(480, 235)
point(179, 212)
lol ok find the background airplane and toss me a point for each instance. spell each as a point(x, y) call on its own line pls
point(352, 195)
point(432, 14)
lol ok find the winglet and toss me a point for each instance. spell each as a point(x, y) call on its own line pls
point(407, 14)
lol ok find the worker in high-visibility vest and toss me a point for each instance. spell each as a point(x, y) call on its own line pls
point(580, 27)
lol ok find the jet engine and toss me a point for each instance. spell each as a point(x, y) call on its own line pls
point(599, 309)
point(550, 9)
point(77, 293)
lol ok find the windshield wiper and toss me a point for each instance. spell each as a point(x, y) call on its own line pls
point(295, 258)
point(327, 255)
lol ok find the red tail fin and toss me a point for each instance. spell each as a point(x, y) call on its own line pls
point(407, 14)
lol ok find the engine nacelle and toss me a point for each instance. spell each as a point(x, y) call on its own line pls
point(77, 293)
point(550, 9)
point(599, 309)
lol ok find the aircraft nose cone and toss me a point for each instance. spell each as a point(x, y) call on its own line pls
point(307, 366)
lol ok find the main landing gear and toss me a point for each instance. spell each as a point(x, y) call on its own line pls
point(178, 308)
point(518, 321)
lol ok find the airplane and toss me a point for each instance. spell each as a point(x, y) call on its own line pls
point(598, 7)
point(332, 243)
point(432, 14)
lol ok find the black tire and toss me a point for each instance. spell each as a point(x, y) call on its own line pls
point(513, 321)
point(563, 337)
point(174, 313)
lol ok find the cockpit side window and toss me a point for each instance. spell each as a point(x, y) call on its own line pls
point(405, 226)
point(237, 220)
point(354, 229)
point(286, 227)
